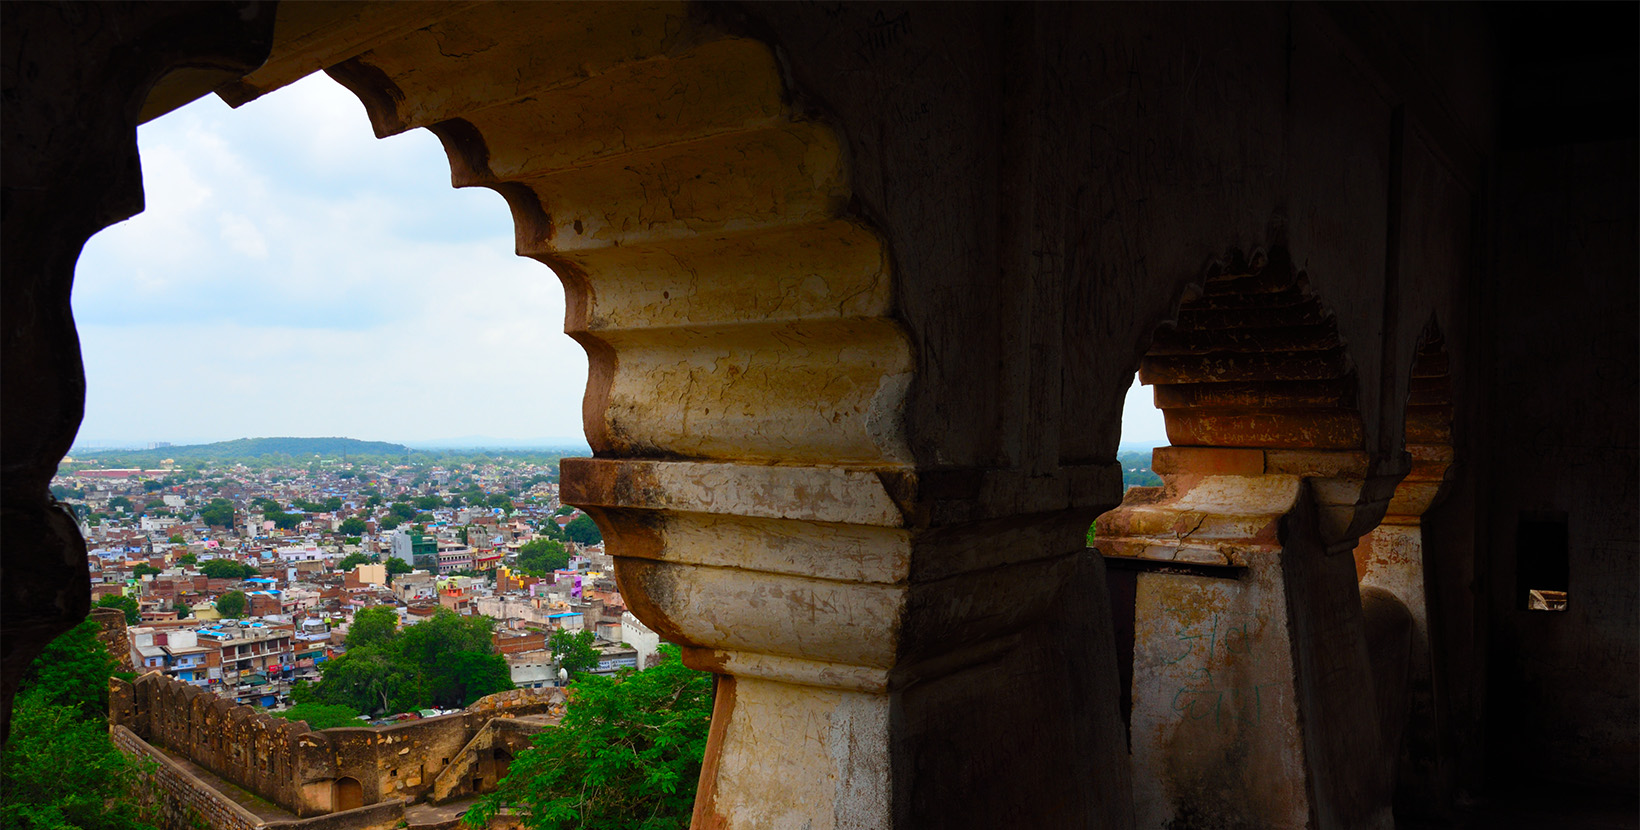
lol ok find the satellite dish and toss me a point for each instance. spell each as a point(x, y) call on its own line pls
point(563, 676)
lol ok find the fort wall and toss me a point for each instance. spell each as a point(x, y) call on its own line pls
point(309, 773)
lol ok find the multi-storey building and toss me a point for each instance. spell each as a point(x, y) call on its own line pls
point(258, 660)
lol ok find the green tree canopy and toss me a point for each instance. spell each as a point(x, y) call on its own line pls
point(176, 539)
point(583, 530)
point(120, 503)
point(353, 560)
point(182, 609)
point(333, 504)
point(540, 557)
point(574, 650)
point(428, 502)
point(124, 603)
point(626, 756)
point(232, 605)
point(321, 715)
point(396, 566)
point(141, 571)
point(219, 513)
point(59, 769)
point(73, 670)
point(227, 569)
point(352, 526)
point(447, 660)
point(188, 559)
point(373, 627)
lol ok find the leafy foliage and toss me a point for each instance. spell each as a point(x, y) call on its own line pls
point(73, 671)
point(352, 526)
point(219, 513)
point(133, 614)
point(396, 566)
point(228, 569)
point(373, 627)
point(627, 755)
point(447, 660)
point(583, 530)
point(353, 560)
point(59, 769)
point(232, 605)
point(321, 715)
point(574, 650)
point(141, 571)
point(540, 557)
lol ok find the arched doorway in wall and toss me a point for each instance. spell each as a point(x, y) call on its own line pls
point(346, 794)
point(1247, 630)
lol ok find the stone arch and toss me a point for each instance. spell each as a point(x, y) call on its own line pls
point(346, 794)
point(1248, 641)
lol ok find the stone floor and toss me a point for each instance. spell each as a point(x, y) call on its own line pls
point(436, 817)
point(260, 807)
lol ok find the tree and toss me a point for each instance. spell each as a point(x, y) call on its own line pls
point(284, 521)
point(182, 609)
point(176, 539)
point(188, 559)
point(218, 513)
point(141, 571)
point(390, 521)
point(353, 560)
point(373, 627)
point(352, 526)
point(447, 660)
point(397, 566)
point(59, 769)
point(574, 650)
point(333, 504)
point(626, 756)
point(120, 503)
point(428, 502)
point(540, 557)
point(227, 569)
point(583, 530)
point(124, 603)
point(321, 715)
point(231, 605)
point(402, 510)
point(73, 670)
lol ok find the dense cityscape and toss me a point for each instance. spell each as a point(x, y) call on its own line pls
point(246, 578)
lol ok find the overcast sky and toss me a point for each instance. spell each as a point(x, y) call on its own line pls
point(293, 275)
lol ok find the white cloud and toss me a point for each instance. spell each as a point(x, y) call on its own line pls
point(293, 275)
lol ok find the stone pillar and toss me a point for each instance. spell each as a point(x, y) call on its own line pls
point(1391, 559)
point(1252, 701)
point(902, 640)
point(891, 656)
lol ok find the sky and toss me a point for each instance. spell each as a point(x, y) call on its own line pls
point(293, 275)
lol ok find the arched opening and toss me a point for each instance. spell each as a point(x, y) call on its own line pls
point(1247, 628)
point(347, 794)
point(1392, 563)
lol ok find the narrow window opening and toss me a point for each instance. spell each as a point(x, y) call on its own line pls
point(1542, 569)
